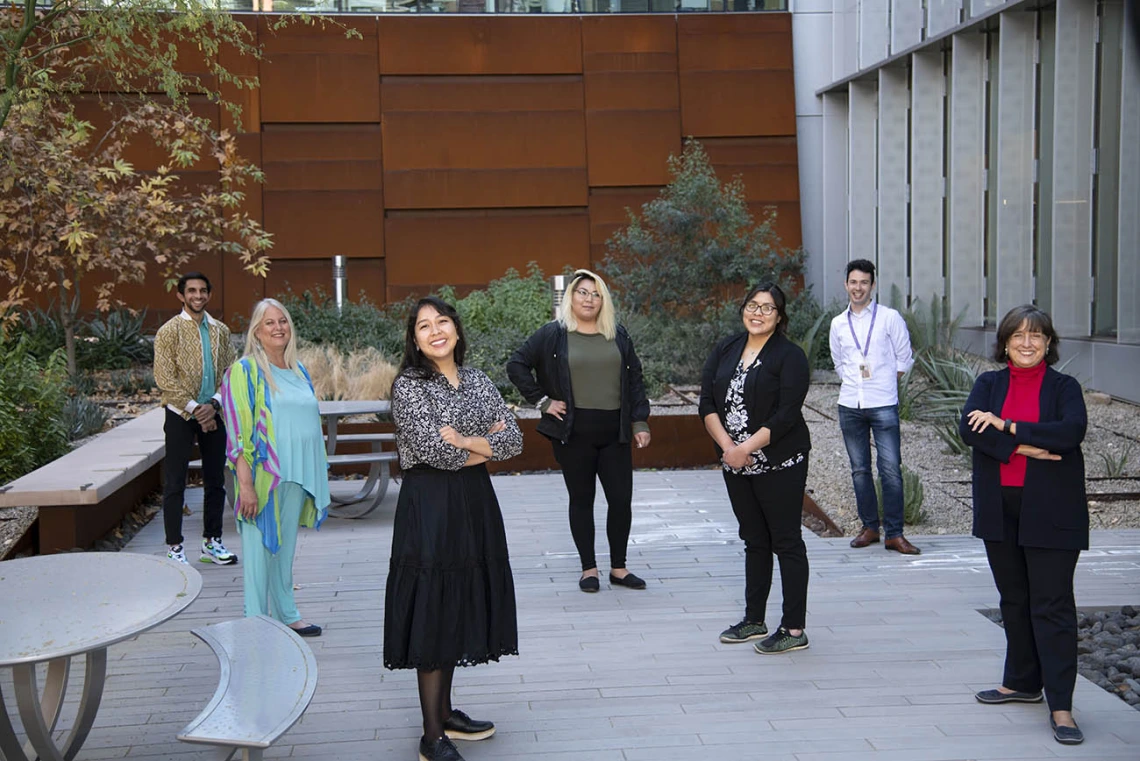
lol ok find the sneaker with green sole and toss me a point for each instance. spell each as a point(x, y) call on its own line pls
point(743, 632)
point(782, 642)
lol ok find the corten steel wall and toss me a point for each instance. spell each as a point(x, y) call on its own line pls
point(445, 150)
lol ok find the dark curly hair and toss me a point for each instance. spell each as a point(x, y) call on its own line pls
point(1034, 319)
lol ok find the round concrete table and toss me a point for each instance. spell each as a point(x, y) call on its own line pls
point(55, 607)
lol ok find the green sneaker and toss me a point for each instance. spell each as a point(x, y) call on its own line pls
point(743, 632)
point(782, 642)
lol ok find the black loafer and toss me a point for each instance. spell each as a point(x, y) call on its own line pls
point(995, 697)
point(589, 584)
point(441, 749)
point(312, 630)
point(460, 726)
point(1066, 735)
point(629, 581)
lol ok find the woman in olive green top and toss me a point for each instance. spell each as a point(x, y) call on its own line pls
point(593, 404)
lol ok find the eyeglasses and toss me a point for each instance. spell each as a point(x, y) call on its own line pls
point(765, 309)
point(584, 294)
point(1034, 338)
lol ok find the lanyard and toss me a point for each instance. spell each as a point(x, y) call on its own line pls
point(851, 326)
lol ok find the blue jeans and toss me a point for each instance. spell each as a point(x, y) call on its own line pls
point(857, 426)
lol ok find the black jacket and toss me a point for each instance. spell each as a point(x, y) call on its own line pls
point(546, 353)
point(1054, 507)
point(774, 392)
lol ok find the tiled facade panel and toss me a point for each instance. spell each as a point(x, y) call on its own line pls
point(437, 150)
point(736, 75)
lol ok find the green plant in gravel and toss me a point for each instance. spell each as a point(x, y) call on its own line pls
point(1116, 463)
point(913, 496)
point(32, 397)
point(82, 417)
point(931, 327)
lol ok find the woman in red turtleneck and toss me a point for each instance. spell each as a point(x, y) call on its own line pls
point(1025, 424)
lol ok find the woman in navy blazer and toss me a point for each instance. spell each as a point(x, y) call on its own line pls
point(1025, 424)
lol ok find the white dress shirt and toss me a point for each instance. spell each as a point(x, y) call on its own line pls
point(888, 354)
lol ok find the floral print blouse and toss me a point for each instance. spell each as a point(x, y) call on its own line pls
point(736, 423)
point(421, 406)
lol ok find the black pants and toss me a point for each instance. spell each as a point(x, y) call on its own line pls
point(768, 508)
point(1037, 609)
point(594, 452)
point(180, 436)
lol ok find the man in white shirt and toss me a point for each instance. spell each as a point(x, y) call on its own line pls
point(870, 347)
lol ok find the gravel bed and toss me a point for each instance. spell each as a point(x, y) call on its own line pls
point(1108, 649)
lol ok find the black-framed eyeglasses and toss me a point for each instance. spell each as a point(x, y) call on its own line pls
point(765, 309)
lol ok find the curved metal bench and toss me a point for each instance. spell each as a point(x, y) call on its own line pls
point(268, 677)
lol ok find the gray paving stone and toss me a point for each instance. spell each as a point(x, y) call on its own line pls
point(898, 649)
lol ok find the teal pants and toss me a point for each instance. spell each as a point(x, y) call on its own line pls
point(268, 576)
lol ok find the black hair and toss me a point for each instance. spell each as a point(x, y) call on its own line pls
point(415, 364)
point(863, 265)
point(778, 298)
point(193, 276)
point(1036, 320)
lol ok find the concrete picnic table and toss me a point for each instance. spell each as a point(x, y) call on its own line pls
point(56, 607)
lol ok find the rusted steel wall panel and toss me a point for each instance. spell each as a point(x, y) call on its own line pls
point(473, 45)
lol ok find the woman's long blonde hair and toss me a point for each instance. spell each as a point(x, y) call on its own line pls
point(253, 347)
point(607, 316)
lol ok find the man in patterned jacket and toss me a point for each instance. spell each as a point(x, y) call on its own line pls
point(191, 354)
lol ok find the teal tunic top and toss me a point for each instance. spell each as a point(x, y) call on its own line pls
point(299, 443)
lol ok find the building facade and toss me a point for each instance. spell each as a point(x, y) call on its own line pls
point(982, 153)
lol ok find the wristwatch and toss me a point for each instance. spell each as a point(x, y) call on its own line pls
point(1009, 426)
point(216, 405)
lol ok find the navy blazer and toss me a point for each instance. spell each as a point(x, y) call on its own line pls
point(1054, 507)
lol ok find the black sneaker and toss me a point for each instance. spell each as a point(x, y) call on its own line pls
point(743, 632)
point(441, 749)
point(782, 642)
point(460, 726)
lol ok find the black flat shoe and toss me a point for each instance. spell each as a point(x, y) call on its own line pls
point(1066, 735)
point(441, 749)
point(312, 630)
point(996, 697)
point(629, 581)
point(589, 584)
point(460, 726)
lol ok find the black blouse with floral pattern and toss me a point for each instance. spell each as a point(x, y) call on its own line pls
point(736, 424)
point(421, 406)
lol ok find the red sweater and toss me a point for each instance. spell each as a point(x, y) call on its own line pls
point(1022, 405)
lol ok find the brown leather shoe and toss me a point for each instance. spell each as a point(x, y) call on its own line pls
point(867, 537)
point(900, 544)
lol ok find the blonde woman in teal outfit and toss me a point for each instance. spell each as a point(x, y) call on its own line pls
point(276, 449)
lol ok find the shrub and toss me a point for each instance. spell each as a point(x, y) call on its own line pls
point(32, 396)
point(913, 496)
point(113, 340)
point(358, 325)
point(82, 417)
point(362, 374)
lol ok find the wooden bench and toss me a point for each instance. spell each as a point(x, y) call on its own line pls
point(268, 677)
point(369, 496)
point(84, 494)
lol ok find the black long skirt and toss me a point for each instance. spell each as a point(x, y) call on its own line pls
point(450, 599)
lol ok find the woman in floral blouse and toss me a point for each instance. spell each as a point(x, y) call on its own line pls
point(752, 394)
point(450, 598)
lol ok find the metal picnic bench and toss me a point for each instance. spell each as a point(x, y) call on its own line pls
point(268, 677)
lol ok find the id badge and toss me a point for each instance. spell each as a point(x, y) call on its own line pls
point(865, 370)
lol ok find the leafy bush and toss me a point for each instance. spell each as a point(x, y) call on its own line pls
point(32, 397)
point(114, 340)
point(358, 325)
point(913, 497)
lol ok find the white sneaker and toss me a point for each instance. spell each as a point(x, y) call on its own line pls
point(177, 553)
point(213, 551)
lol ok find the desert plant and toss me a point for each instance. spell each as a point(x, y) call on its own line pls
point(1116, 463)
point(130, 382)
point(362, 374)
point(32, 396)
point(910, 396)
point(913, 496)
point(114, 340)
point(931, 327)
point(947, 431)
point(82, 417)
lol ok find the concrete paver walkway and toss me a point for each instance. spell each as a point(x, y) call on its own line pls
point(897, 649)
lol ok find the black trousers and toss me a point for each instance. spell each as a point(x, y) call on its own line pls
point(768, 508)
point(1038, 610)
point(593, 452)
point(180, 437)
